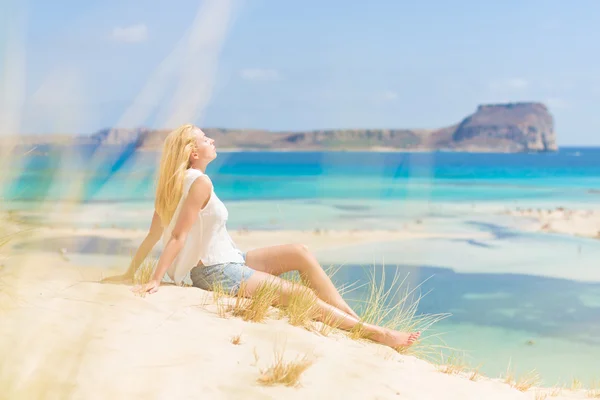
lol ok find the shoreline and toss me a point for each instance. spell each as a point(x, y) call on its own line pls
point(573, 222)
point(471, 251)
point(315, 239)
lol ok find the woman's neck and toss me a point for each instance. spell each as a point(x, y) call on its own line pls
point(199, 167)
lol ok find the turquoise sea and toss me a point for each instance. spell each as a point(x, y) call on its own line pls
point(515, 295)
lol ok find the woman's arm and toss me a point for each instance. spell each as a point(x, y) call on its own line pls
point(152, 237)
point(197, 198)
point(147, 245)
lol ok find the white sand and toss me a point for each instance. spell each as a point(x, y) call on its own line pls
point(247, 240)
point(418, 244)
point(584, 223)
point(64, 335)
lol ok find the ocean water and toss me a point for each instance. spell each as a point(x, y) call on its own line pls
point(119, 174)
point(515, 296)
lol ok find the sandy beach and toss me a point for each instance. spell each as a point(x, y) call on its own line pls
point(465, 248)
point(52, 303)
point(585, 223)
point(66, 335)
point(439, 190)
point(316, 239)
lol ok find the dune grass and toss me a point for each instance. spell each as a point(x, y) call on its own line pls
point(523, 382)
point(301, 308)
point(255, 308)
point(389, 303)
point(456, 364)
point(594, 390)
point(392, 304)
point(474, 375)
point(527, 381)
point(540, 395)
point(144, 273)
point(327, 326)
point(256, 357)
point(282, 372)
point(556, 391)
point(453, 364)
point(221, 301)
point(237, 339)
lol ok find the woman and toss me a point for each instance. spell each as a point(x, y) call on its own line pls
point(192, 222)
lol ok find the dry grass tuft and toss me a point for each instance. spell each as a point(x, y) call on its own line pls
point(328, 325)
point(255, 308)
point(576, 384)
point(527, 381)
point(221, 300)
point(237, 339)
point(540, 395)
point(556, 391)
point(301, 308)
point(256, 358)
point(475, 375)
point(509, 378)
point(524, 382)
point(594, 391)
point(283, 372)
point(143, 275)
point(454, 364)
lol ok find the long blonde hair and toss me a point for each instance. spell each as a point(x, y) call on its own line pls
point(174, 162)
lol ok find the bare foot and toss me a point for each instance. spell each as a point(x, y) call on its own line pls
point(396, 339)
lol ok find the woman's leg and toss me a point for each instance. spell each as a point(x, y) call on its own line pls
point(276, 260)
point(327, 313)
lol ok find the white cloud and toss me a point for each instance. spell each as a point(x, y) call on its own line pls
point(510, 84)
point(389, 95)
point(131, 34)
point(258, 74)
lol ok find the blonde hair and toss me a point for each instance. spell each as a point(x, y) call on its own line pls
point(174, 162)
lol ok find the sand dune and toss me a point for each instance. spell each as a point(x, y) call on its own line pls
point(63, 335)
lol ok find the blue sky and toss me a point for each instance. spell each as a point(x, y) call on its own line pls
point(291, 65)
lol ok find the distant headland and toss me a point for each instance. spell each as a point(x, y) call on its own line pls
point(509, 127)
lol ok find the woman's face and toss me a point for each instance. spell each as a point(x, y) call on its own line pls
point(205, 147)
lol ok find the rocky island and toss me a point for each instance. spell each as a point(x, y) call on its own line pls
point(510, 127)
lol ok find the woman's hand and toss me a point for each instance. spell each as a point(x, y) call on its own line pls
point(150, 287)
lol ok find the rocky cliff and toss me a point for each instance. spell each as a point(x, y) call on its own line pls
point(512, 127)
point(516, 126)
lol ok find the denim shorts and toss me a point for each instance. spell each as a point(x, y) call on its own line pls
point(227, 276)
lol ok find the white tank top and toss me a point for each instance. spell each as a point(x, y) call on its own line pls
point(207, 241)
